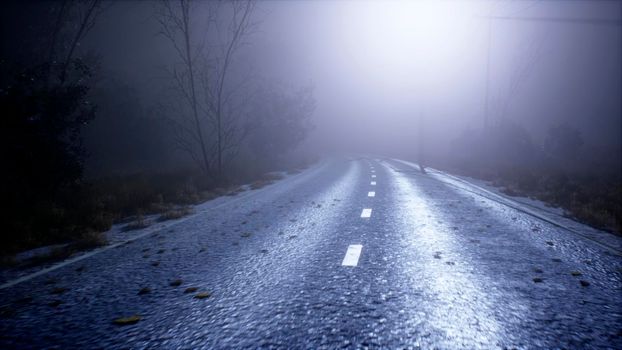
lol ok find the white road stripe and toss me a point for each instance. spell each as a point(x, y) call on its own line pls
point(373, 183)
point(373, 176)
point(352, 255)
point(366, 213)
point(371, 194)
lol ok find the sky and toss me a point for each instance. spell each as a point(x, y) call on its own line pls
point(381, 70)
point(372, 80)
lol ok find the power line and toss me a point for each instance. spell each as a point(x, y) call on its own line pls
point(575, 20)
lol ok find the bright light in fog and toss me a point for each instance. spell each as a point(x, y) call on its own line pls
point(397, 38)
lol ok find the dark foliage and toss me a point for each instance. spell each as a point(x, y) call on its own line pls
point(41, 148)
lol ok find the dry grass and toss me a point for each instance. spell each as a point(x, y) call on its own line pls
point(89, 240)
point(176, 213)
point(137, 224)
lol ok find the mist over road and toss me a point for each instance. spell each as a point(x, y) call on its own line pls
point(352, 253)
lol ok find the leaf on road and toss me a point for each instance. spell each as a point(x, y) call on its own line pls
point(576, 273)
point(55, 303)
point(124, 321)
point(144, 290)
point(59, 290)
point(176, 283)
point(202, 295)
point(191, 290)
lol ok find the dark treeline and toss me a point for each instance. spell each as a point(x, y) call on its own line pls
point(84, 147)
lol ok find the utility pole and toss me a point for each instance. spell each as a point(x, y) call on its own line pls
point(486, 102)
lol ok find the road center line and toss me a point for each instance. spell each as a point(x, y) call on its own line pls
point(366, 213)
point(373, 183)
point(373, 176)
point(352, 255)
point(371, 194)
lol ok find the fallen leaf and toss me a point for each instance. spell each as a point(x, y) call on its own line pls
point(124, 321)
point(202, 295)
point(55, 303)
point(144, 290)
point(191, 290)
point(175, 283)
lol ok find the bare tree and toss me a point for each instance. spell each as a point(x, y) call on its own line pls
point(204, 77)
point(223, 96)
point(72, 22)
point(176, 20)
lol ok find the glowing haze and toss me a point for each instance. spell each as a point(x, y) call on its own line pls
point(378, 66)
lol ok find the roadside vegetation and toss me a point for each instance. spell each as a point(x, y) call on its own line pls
point(84, 149)
point(559, 171)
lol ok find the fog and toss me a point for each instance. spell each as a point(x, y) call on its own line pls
point(525, 94)
point(372, 83)
point(379, 68)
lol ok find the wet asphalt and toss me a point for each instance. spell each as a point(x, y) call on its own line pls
point(439, 268)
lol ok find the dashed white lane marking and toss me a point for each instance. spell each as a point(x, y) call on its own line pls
point(371, 194)
point(366, 213)
point(352, 255)
point(373, 171)
point(373, 176)
point(373, 183)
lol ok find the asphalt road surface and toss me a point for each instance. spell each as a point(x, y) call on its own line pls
point(351, 253)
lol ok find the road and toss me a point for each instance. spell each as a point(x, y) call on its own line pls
point(304, 264)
